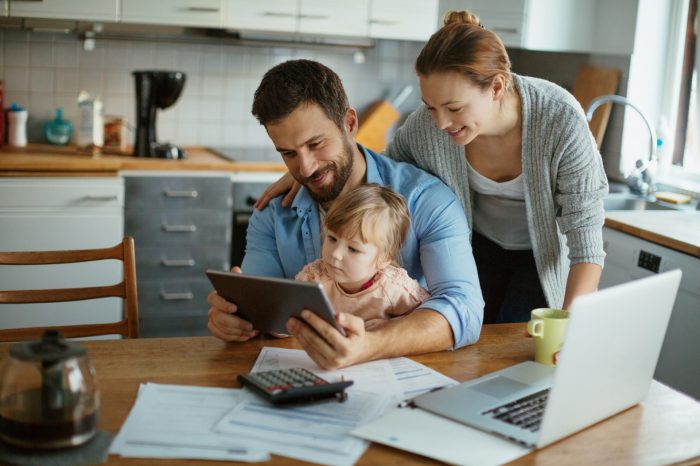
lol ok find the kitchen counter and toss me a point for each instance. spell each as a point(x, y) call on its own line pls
point(675, 230)
point(44, 160)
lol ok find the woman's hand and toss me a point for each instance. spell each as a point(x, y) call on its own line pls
point(286, 184)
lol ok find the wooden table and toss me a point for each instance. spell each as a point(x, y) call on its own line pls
point(663, 429)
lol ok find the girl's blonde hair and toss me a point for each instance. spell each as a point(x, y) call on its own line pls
point(375, 213)
point(463, 45)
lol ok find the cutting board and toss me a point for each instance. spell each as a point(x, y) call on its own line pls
point(375, 123)
point(591, 82)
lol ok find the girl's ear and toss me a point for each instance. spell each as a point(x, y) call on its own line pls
point(383, 262)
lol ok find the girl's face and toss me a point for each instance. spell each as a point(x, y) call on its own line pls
point(349, 261)
point(458, 107)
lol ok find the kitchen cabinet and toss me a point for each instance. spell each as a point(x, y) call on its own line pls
point(298, 16)
point(403, 19)
point(181, 225)
point(93, 10)
point(202, 13)
point(57, 213)
point(555, 25)
point(630, 258)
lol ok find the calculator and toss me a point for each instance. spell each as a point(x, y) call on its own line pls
point(286, 386)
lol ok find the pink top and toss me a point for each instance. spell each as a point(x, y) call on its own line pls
point(392, 294)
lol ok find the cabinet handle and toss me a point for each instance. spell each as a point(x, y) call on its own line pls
point(503, 30)
point(383, 22)
point(175, 193)
point(94, 197)
point(176, 296)
point(177, 262)
point(314, 16)
point(202, 9)
point(180, 228)
point(278, 14)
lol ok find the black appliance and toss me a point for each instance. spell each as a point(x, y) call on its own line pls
point(154, 90)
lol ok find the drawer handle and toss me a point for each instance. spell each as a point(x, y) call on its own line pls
point(278, 14)
point(180, 228)
point(202, 9)
point(177, 262)
point(106, 198)
point(503, 30)
point(176, 296)
point(314, 16)
point(383, 22)
point(175, 193)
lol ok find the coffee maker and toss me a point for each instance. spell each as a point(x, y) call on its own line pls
point(154, 90)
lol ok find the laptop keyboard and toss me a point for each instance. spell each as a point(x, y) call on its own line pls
point(525, 412)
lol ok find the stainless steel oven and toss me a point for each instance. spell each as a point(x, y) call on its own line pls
point(245, 194)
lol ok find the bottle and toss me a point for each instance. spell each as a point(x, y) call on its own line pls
point(90, 135)
point(58, 130)
point(17, 131)
point(664, 148)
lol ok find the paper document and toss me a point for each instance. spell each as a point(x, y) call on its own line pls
point(436, 437)
point(174, 421)
point(319, 432)
point(416, 379)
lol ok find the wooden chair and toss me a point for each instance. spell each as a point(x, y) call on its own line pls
point(124, 251)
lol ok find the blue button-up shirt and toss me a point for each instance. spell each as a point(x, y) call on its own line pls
point(436, 251)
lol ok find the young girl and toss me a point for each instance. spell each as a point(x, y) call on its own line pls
point(363, 233)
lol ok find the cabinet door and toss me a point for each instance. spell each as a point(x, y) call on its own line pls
point(262, 15)
point(334, 17)
point(95, 10)
point(206, 13)
point(3, 8)
point(403, 19)
point(504, 17)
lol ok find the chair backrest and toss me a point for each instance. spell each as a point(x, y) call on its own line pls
point(124, 251)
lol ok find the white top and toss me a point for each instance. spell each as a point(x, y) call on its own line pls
point(499, 210)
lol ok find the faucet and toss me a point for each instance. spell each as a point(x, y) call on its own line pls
point(641, 179)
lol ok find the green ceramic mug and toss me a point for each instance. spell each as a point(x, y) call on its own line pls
point(547, 326)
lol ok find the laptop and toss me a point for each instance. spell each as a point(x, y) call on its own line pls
point(606, 364)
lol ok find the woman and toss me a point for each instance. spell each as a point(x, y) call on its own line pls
point(518, 153)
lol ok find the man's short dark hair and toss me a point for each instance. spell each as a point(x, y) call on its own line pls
point(296, 82)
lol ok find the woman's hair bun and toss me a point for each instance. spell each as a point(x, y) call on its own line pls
point(461, 17)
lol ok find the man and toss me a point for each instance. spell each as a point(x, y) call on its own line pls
point(305, 110)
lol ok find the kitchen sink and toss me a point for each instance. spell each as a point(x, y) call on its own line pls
point(634, 203)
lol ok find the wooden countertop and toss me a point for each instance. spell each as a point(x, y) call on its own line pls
point(676, 230)
point(44, 160)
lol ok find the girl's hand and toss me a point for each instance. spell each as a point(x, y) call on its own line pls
point(286, 184)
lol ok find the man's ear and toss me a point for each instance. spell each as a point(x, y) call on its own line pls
point(352, 122)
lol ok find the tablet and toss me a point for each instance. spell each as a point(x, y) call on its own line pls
point(268, 302)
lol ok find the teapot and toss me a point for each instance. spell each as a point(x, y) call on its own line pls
point(48, 394)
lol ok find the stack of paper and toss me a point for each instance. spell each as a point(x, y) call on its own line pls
point(170, 421)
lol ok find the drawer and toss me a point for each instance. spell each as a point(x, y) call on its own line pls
point(174, 298)
point(157, 192)
point(173, 263)
point(152, 227)
point(181, 326)
point(88, 193)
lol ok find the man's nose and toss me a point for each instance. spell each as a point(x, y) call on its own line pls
point(307, 164)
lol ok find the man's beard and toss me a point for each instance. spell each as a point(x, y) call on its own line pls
point(341, 174)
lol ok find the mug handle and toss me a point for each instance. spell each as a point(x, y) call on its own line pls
point(536, 328)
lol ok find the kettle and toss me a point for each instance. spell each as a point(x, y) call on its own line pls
point(48, 394)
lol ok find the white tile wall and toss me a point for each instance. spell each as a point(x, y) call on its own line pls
point(42, 71)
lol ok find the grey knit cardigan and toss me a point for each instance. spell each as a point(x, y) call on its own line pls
point(562, 171)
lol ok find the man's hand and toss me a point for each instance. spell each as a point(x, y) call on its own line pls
point(223, 324)
point(326, 346)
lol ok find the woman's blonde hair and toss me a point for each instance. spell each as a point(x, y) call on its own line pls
point(465, 46)
point(375, 213)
